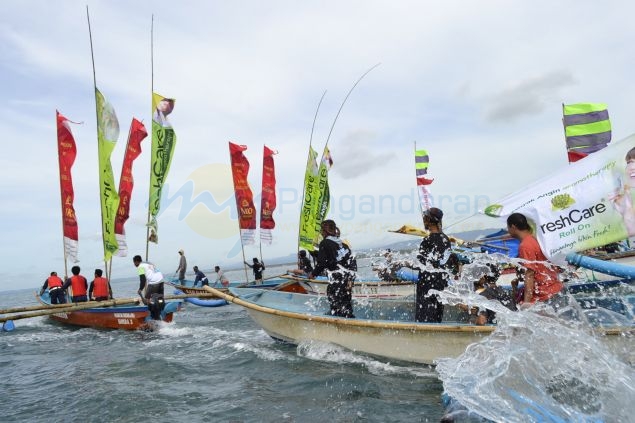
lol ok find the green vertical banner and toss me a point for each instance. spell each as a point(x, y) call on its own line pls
point(307, 215)
point(107, 134)
point(163, 143)
point(323, 196)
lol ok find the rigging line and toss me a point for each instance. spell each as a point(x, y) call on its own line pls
point(461, 221)
point(344, 102)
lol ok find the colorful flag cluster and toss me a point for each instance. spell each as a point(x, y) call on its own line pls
point(422, 160)
point(126, 183)
point(67, 151)
point(587, 129)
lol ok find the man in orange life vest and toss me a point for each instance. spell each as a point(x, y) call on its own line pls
point(54, 285)
point(99, 289)
point(78, 284)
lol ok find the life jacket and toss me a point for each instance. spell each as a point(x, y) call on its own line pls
point(54, 282)
point(100, 287)
point(78, 283)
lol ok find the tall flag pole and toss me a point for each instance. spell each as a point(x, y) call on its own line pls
point(244, 197)
point(107, 134)
point(136, 134)
point(268, 197)
point(587, 129)
point(163, 144)
point(67, 151)
point(422, 160)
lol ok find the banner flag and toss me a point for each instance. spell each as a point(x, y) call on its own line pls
point(163, 144)
point(422, 161)
point(587, 129)
point(126, 183)
point(268, 196)
point(244, 197)
point(588, 204)
point(307, 216)
point(323, 195)
point(67, 151)
point(107, 134)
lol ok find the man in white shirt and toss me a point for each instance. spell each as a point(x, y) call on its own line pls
point(149, 278)
point(220, 277)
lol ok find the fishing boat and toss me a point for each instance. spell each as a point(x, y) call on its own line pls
point(361, 289)
point(200, 302)
point(128, 317)
point(382, 327)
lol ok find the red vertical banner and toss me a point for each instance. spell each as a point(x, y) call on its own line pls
point(244, 197)
point(67, 151)
point(126, 183)
point(268, 196)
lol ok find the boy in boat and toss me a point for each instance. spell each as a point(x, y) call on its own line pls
point(200, 276)
point(486, 286)
point(220, 277)
point(149, 278)
point(99, 289)
point(257, 267)
point(433, 274)
point(336, 257)
point(541, 279)
point(304, 265)
point(78, 284)
point(54, 285)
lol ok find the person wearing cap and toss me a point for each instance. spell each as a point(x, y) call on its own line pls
point(182, 266)
point(432, 254)
point(336, 257)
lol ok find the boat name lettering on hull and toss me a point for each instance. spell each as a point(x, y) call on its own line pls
point(124, 315)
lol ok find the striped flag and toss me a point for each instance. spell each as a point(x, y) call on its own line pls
point(587, 129)
point(422, 160)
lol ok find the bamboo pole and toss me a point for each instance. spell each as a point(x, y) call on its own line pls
point(152, 132)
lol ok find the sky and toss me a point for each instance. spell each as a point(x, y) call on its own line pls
point(480, 85)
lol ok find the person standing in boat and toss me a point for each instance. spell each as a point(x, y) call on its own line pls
point(335, 257)
point(54, 284)
point(200, 277)
point(78, 284)
point(149, 278)
point(304, 265)
point(99, 289)
point(220, 277)
point(541, 278)
point(433, 251)
point(257, 267)
point(182, 267)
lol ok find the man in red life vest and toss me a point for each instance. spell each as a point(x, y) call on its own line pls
point(78, 284)
point(54, 285)
point(99, 289)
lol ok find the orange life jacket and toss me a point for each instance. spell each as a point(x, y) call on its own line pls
point(100, 287)
point(54, 282)
point(78, 283)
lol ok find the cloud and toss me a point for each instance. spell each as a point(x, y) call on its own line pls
point(528, 97)
point(358, 155)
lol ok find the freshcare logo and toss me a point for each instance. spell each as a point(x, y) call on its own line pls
point(573, 217)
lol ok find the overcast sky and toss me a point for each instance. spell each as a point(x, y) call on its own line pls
point(479, 84)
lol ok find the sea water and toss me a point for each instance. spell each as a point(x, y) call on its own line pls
point(215, 364)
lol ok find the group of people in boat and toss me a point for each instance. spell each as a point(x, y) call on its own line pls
point(80, 291)
point(203, 280)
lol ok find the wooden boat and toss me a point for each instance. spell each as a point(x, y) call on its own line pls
point(128, 317)
point(361, 289)
point(214, 302)
point(382, 327)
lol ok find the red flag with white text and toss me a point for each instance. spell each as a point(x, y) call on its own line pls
point(67, 151)
point(242, 191)
point(268, 196)
point(126, 183)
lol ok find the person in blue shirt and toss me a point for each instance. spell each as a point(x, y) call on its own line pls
point(200, 276)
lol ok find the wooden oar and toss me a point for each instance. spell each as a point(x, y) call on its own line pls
point(70, 308)
point(36, 307)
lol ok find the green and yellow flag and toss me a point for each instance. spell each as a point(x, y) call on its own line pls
point(163, 143)
point(323, 196)
point(307, 214)
point(107, 134)
point(587, 129)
